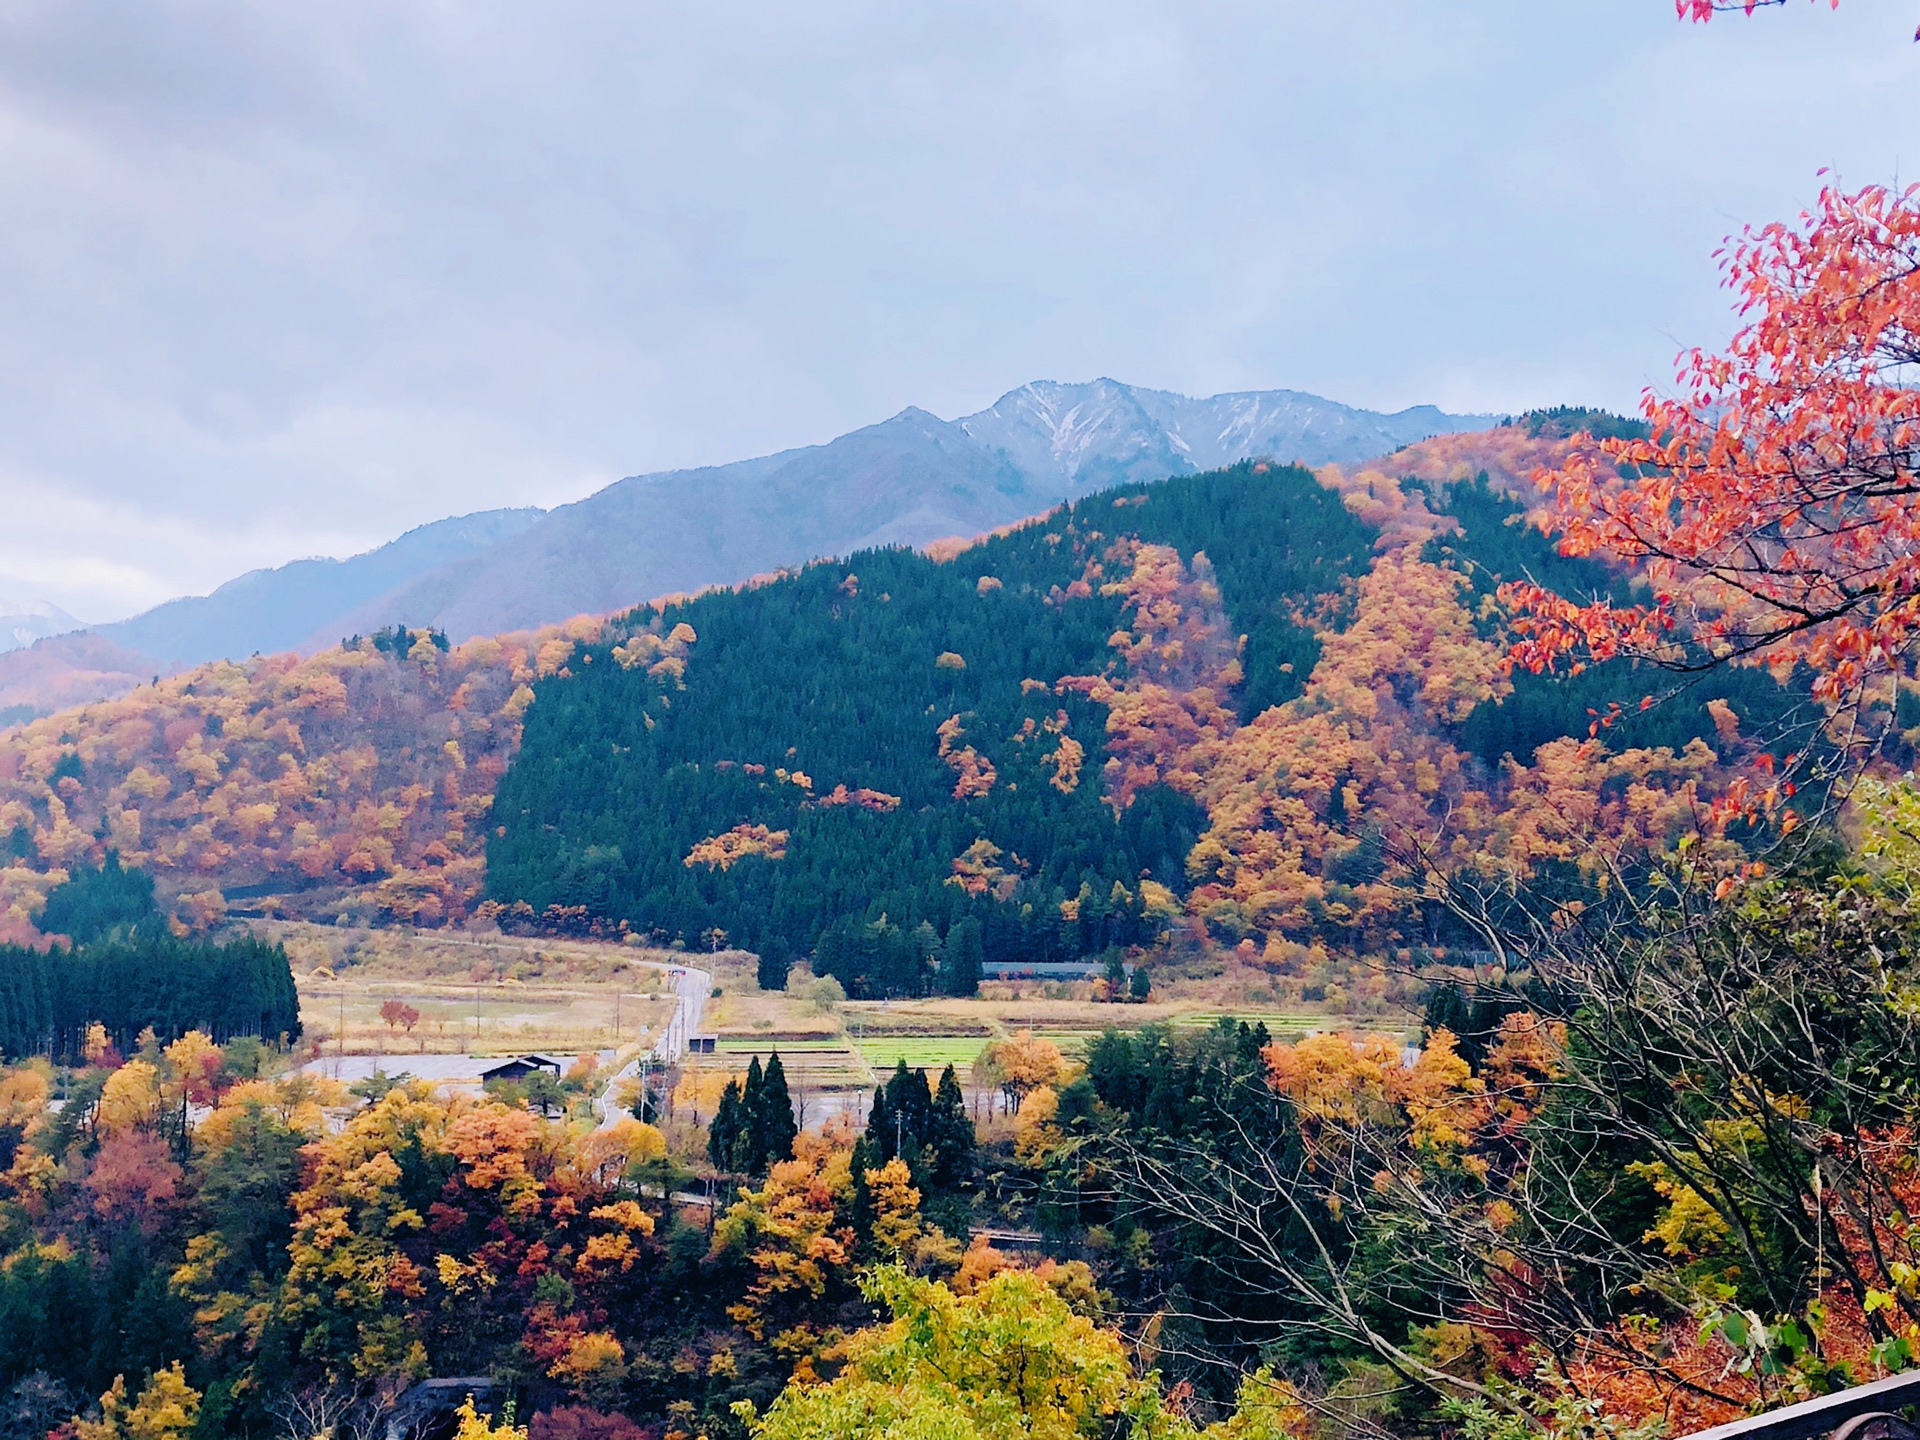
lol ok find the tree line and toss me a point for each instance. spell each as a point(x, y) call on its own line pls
point(125, 970)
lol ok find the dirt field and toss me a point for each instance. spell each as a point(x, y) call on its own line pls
point(479, 994)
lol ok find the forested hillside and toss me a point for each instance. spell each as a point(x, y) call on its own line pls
point(1230, 700)
point(1236, 697)
point(359, 776)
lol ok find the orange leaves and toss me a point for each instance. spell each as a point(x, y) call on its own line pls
point(1170, 709)
point(1774, 511)
point(351, 764)
point(978, 871)
point(724, 851)
point(975, 774)
point(493, 1144)
point(1344, 1086)
point(1297, 787)
point(791, 1235)
point(877, 801)
point(1067, 759)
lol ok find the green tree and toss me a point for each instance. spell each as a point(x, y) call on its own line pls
point(775, 963)
point(773, 1121)
point(962, 969)
point(96, 902)
point(949, 1139)
point(723, 1132)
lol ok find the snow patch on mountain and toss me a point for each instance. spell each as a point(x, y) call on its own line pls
point(24, 621)
point(1103, 431)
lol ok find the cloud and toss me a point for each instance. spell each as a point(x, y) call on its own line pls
point(293, 279)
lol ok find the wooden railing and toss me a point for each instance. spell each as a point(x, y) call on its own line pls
point(1866, 1412)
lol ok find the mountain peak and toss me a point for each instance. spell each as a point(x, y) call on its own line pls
point(906, 480)
point(22, 622)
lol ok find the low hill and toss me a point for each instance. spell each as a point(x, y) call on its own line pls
point(360, 777)
point(63, 671)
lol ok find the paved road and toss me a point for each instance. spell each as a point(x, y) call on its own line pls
point(692, 987)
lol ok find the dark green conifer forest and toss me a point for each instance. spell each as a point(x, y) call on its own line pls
point(836, 673)
point(806, 715)
point(127, 971)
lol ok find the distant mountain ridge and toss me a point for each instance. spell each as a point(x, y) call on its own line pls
point(265, 611)
point(907, 480)
point(1105, 432)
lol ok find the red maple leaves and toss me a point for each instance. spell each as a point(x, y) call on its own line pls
point(1776, 510)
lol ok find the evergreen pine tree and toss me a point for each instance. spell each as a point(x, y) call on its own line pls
point(775, 963)
point(751, 1154)
point(910, 1102)
point(724, 1132)
point(962, 962)
point(94, 904)
point(1141, 986)
point(773, 1115)
point(880, 1127)
point(950, 1135)
point(1165, 1108)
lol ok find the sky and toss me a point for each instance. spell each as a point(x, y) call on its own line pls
point(286, 280)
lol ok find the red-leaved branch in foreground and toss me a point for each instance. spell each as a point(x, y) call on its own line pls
point(1776, 510)
point(1707, 9)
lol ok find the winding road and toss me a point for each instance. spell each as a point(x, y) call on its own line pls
point(692, 987)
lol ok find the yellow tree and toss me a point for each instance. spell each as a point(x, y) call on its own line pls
point(351, 1292)
point(792, 1232)
point(1010, 1361)
point(1020, 1064)
point(167, 1408)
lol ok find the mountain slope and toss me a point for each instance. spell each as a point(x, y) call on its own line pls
point(907, 480)
point(1221, 702)
point(267, 611)
point(77, 668)
point(355, 772)
point(1227, 701)
point(24, 621)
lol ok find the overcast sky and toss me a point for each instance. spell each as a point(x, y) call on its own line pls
point(287, 279)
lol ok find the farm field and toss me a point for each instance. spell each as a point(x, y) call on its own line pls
point(840, 1051)
point(934, 1050)
point(473, 994)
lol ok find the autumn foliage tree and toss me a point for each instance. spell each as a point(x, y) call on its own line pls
point(367, 768)
point(1775, 511)
point(1007, 1361)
